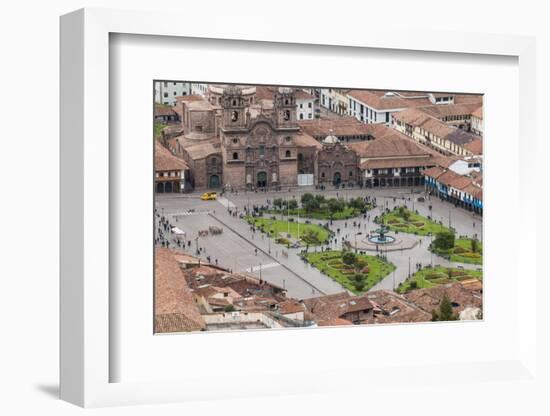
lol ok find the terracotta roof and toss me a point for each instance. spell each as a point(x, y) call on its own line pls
point(390, 307)
point(334, 322)
point(475, 146)
point(165, 160)
point(429, 299)
point(434, 172)
point(305, 140)
point(478, 113)
point(409, 162)
point(302, 95)
point(163, 110)
point(340, 127)
point(445, 110)
point(291, 306)
point(388, 146)
point(175, 309)
point(335, 306)
point(203, 149)
point(385, 100)
point(418, 118)
point(468, 99)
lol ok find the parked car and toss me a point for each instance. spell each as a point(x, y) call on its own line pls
point(207, 196)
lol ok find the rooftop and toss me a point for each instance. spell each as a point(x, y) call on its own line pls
point(175, 309)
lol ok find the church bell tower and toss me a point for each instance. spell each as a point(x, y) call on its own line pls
point(233, 108)
point(285, 107)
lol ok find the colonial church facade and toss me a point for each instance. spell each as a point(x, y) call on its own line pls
point(234, 138)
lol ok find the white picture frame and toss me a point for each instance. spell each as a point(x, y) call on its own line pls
point(86, 353)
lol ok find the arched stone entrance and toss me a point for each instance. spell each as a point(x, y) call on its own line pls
point(337, 179)
point(214, 181)
point(160, 187)
point(262, 180)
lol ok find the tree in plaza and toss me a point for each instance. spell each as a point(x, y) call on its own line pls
point(444, 240)
point(310, 237)
point(358, 203)
point(359, 263)
point(358, 282)
point(292, 204)
point(336, 205)
point(349, 258)
point(278, 203)
point(311, 205)
point(306, 198)
point(474, 245)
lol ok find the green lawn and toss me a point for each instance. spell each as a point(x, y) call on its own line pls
point(462, 252)
point(321, 214)
point(330, 263)
point(430, 277)
point(416, 224)
point(276, 227)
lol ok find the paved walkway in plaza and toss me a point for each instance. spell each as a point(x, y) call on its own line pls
point(236, 247)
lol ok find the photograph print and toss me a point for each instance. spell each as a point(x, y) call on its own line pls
point(304, 207)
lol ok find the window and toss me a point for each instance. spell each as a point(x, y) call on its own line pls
point(309, 105)
point(300, 157)
point(235, 156)
point(262, 150)
point(301, 105)
point(165, 94)
point(301, 116)
point(310, 115)
point(350, 173)
point(323, 175)
point(235, 141)
point(287, 154)
point(175, 93)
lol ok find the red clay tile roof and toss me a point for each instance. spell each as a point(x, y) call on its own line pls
point(434, 172)
point(380, 100)
point(175, 308)
point(478, 113)
point(340, 127)
point(163, 110)
point(334, 322)
point(166, 161)
point(429, 299)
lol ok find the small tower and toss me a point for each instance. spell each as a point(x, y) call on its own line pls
point(233, 107)
point(285, 107)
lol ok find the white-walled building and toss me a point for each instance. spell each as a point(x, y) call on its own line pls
point(305, 105)
point(477, 121)
point(167, 91)
point(334, 100)
point(199, 89)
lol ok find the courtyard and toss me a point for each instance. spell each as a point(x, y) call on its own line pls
point(241, 249)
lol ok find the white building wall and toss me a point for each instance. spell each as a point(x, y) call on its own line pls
point(167, 91)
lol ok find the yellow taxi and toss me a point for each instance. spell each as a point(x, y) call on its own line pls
point(208, 196)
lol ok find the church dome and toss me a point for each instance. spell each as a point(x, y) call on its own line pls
point(331, 138)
